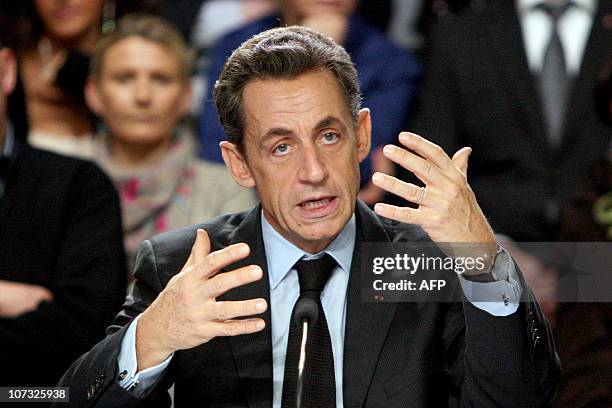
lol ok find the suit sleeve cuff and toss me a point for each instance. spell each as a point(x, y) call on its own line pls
point(498, 298)
point(138, 383)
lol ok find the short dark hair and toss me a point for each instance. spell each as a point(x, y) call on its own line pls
point(280, 53)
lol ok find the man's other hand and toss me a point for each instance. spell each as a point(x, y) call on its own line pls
point(447, 208)
point(187, 314)
point(18, 298)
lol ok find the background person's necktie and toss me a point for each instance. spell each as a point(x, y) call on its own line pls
point(554, 81)
point(319, 380)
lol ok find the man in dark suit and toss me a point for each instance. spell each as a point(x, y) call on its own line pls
point(62, 265)
point(534, 156)
point(289, 100)
point(485, 87)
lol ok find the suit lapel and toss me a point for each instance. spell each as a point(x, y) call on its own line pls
point(505, 39)
point(367, 324)
point(596, 53)
point(253, 353)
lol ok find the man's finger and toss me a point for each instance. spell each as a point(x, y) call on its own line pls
point(46, 295)
point(427, 150)
point(407, 191)
point(236, 327)
point(218, 260)
point(231, 310)
point(401, 214)
point(460, 159)
point(221, 283)
point(424, 169)
point(200, 248)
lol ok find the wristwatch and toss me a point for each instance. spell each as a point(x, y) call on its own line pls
point(498, 266)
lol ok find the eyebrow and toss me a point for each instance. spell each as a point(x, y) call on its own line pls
point(277, 131)
point(326, 122)
point(329, 121)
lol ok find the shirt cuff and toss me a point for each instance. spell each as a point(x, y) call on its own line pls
point(138, 383)
point(498, 298)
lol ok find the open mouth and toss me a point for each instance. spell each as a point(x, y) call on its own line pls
point(312, 204)
point(318, 207)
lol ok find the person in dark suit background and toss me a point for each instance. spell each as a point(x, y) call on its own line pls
point(483, 88)
point(62, 265)
point(532, 173)
point(301, 150)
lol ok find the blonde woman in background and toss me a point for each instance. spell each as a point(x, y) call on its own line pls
point(140, 89)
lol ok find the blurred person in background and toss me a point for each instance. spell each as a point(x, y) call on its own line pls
point(202, 23)
point(53, 40)
point(387, 75)
point(62, 264)
point(213, 20)
point(515, 82)
point(409, 23)
point(583, 329)
point(140, 89)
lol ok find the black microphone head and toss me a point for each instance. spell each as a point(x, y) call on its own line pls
point(306, 308)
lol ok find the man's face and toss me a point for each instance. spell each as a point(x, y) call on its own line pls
point(302, 155)
point(302, 9)
point(140, 93)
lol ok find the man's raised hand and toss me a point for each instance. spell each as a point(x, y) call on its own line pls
point(187, 314)
point(447, 209)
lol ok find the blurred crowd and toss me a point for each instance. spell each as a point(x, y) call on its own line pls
point(109, 135)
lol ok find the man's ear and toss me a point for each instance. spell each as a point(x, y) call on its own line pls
point(93, 97)
point(8, 71)
point(236, 162)
point(364, 134)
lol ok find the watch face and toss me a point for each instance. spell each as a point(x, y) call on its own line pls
point(501, 266)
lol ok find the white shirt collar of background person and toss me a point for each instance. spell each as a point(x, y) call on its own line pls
point(574, 28)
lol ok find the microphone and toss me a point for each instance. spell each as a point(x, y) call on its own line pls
point(306, 314)
point(306, 308)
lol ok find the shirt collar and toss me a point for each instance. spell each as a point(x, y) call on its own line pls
point(528, 5)
point(282, 255)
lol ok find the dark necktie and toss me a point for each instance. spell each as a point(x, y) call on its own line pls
point(554, 81)
point(319, 380)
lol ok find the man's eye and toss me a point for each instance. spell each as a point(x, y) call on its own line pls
point(161, 79)
point(122, 79)
point(281, 149)
point(330, 137)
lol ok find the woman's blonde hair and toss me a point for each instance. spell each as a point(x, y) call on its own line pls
point(148, 27)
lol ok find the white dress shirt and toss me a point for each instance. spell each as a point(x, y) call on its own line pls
point(574, 27)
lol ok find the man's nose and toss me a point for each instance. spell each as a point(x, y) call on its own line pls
point(142, 91)
point(313, 168)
